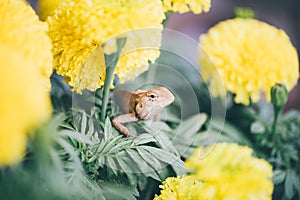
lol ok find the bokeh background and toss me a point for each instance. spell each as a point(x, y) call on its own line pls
point(280, 13)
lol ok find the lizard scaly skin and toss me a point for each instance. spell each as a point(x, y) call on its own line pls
point(142, 104)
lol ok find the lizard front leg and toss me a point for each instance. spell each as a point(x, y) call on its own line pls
point(121, 119)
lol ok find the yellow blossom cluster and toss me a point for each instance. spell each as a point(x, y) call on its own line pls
point(81, 28)
point(223, 171)
point(185, 187)
point(249, 56)
point(25, 59)
point(232, 171)
point(21, 28)
point(183, 6)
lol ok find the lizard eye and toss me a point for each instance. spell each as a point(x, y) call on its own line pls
point(152, 96)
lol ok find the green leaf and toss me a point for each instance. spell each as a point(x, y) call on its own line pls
point(67, 126)
point(159, 131)
point(99, 148)
point(111, 164)
point(169, 116)
point(257, 127)
point(155, 127)
point(184, 150)
point(296, 181)
point(110, 144)
point(107, 130)
point(165, 143)
point(210, 137)
point(70, 150)
point(83, 122)
point(77, 136)
point(190, 126)
point(91, 129)
point(278, 176)
point(142, 165)
point(96, 192)
point(229, 131)
point(167, 157)
point(117, 191)
point(143, 139)
point(184, 136)
point(289, 184)
point(148, 157)
point(124, 166)
point(292, 114)
point(121, 144)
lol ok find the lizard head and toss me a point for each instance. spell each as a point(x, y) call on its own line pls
point(160, 96)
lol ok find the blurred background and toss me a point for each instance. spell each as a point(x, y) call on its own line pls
point(280, 13)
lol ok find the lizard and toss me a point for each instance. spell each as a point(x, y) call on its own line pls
point(139, 105)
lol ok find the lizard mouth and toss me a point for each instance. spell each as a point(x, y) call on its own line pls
point(167, 95)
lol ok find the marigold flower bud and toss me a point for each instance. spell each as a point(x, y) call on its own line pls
point(279, 95)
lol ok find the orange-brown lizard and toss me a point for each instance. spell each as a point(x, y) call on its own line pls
point(141, 104)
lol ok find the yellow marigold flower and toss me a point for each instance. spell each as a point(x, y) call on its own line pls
point(183, 6)
point(21, 28)
point(232, 172)
point(250, 56)
point(26, 61)
point(77, 28)
point(46, 8)
point(185, 187)
point(24, 103)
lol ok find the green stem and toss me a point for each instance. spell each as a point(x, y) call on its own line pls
point(111, 63)
point(107, 83)
point(276, 116)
